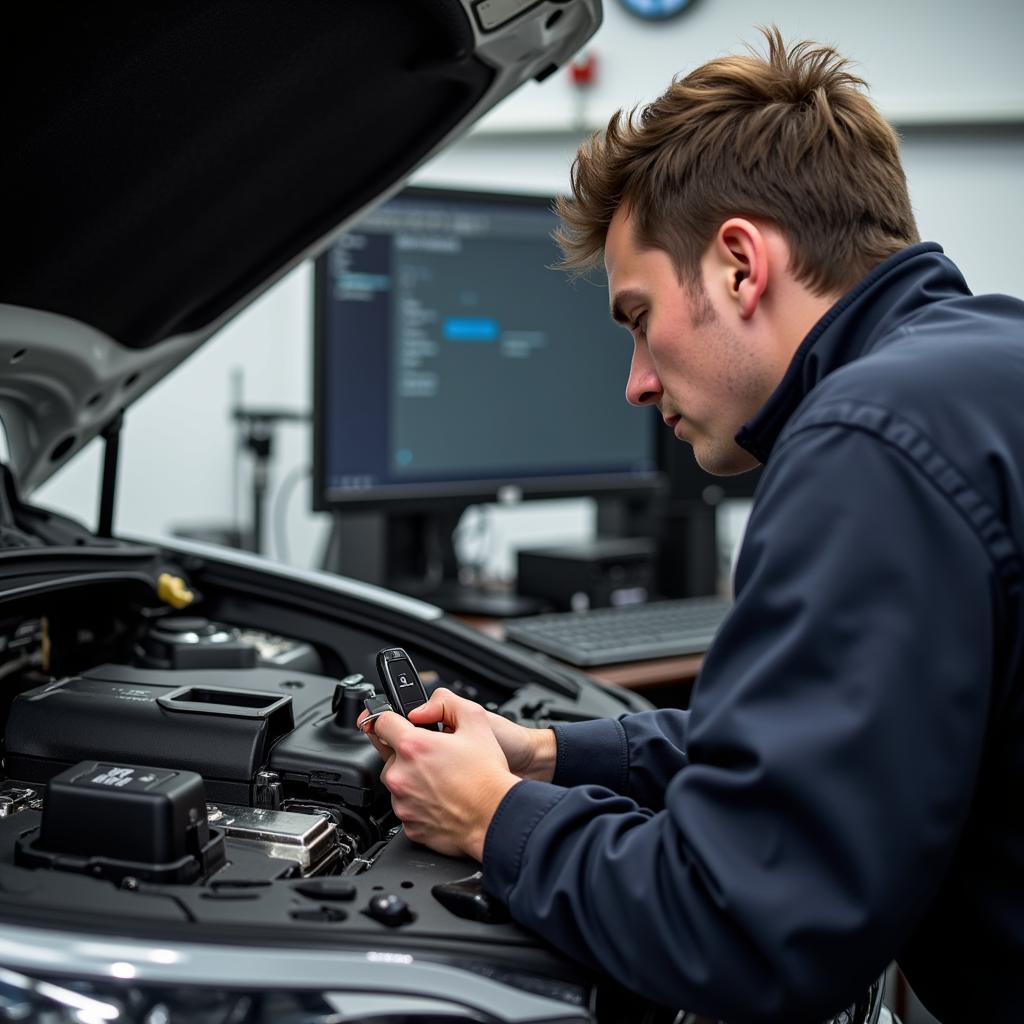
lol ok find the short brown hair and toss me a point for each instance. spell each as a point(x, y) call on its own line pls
point(788, 137)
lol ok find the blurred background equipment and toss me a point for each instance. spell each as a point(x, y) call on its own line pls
point(453, 366)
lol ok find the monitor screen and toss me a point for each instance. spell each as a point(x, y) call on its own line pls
point(453, 363)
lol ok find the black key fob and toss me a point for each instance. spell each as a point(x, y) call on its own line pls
point(402, 684)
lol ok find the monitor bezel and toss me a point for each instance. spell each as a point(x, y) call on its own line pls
point(432, 495)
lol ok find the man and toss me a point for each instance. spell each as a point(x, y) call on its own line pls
point(847, 786)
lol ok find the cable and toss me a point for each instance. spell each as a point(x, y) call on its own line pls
point(280, 508)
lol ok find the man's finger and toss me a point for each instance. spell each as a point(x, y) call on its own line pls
point(365, 722)
point(391, 727)
point(367, 729)
point(443, 706)
point(388, 762)
point(379, 745)
point(432, 711)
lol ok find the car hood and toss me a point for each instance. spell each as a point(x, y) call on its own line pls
point(164, 164)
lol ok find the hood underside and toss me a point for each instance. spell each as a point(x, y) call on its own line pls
point(165, 163)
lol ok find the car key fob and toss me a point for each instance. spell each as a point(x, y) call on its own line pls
point(402, 684)
point(376, 705)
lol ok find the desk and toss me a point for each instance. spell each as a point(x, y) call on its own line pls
point(659, 674)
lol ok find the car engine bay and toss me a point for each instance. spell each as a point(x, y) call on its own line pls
point(172, 767)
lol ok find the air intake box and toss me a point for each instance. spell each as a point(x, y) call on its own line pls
point(226, 725)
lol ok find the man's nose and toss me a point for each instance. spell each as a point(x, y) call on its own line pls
point(643, 386)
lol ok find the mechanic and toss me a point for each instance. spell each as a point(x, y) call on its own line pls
point(846, 787)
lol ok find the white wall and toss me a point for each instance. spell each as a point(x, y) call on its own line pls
point(948, 73)
point(925, 60)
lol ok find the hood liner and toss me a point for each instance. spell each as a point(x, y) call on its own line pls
point(158, 170)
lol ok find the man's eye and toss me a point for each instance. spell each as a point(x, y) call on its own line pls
point(640, 325)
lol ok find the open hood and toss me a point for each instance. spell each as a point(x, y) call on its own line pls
point(164, 164)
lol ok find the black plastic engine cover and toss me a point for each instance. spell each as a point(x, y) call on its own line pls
point(223, 724)
point(114, 821)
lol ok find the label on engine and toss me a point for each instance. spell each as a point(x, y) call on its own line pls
point(123, 777)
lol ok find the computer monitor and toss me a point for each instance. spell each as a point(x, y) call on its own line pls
point(454, 366)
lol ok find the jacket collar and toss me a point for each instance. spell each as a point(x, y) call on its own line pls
point(897, 287)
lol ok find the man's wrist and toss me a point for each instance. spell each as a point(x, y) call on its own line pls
point(545, 753)
point(492, 794)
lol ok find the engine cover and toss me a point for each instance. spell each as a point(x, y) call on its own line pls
point(227, 725)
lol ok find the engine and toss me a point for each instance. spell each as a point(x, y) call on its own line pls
point(217, 752)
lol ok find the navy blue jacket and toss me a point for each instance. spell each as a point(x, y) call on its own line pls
point(848, 785)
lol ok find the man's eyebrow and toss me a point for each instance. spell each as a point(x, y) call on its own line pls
point(622, 300)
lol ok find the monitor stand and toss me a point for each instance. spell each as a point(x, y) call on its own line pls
point(413, 553)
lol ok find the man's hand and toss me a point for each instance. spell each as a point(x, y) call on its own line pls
point(530, 752)
point(445, 787)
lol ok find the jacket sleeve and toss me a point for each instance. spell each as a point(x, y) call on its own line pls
point(833, 744)
point(636, 755)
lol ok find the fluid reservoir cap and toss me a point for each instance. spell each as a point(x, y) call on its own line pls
point(173, 590)
point(193, 642)
point(347, 703)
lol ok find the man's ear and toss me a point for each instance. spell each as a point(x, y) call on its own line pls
point(741, 251)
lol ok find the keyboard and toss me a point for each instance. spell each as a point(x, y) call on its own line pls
point(603, 636)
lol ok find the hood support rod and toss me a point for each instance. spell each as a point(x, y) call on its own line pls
point(111, 435)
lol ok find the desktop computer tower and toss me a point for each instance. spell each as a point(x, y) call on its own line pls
point(603, 573)
point(685, 531)
point(686, 550)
